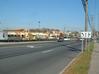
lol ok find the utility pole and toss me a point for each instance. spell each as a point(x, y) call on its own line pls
point(98, 25)
point(86, 21)
point(93, 27)
point(64, 29)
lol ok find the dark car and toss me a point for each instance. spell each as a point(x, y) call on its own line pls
point(60, 40)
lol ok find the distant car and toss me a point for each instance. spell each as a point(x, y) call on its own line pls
point(81, 39)
point(60, 40)
point(51, 37)
point(66, 38)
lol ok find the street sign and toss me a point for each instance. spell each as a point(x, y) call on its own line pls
point(85, 34)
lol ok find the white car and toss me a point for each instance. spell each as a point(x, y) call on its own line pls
point(81, 39)
point(66, 38)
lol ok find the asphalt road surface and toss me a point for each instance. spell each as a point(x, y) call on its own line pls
point(38, 58)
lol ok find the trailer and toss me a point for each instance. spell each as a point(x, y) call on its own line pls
point(3, 36)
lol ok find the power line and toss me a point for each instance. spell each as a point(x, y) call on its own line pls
point(84, 6)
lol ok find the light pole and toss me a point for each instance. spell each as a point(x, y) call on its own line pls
point(39, 24)
point(39, 29)
point(0, 22)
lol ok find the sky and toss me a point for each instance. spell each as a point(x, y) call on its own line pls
point(51, 14)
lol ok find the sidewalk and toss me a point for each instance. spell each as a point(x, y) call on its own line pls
point(94, 65)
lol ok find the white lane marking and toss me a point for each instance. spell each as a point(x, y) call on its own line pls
point(68, 45)
point(47, 51)
point(38, 46)
point(30, 46)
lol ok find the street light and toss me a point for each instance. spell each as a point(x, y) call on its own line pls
point(39, 24)
point(39, 29)
point(0, 22)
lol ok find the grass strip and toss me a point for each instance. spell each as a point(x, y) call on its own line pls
point(82, 63)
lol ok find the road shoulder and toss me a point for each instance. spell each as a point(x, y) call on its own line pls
point(94, 65)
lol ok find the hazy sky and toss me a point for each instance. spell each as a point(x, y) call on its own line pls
point(50, 13)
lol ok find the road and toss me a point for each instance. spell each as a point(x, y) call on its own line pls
point(38, 58)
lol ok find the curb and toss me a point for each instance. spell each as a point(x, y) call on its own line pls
point(70, 63)
point(8, 43)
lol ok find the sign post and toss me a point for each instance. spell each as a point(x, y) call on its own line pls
point(82, 45)
point(85, 35)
